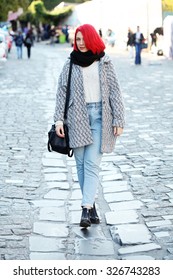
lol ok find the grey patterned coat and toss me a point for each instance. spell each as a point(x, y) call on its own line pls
point(78, 120)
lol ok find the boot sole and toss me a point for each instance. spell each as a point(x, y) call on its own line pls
point(85, 224)
point(94, 221)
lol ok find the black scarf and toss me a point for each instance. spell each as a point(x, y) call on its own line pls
point(85, 59)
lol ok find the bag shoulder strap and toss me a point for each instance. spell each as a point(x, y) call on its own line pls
point(68, 91)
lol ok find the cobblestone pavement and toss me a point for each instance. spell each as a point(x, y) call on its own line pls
point(39, 192)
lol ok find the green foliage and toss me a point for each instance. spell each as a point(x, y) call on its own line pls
point(37, 10)
point(40, 13)
point(34, 5)
point(51, 4)
point(57, 15)
point(28, 17)
point(12, 5)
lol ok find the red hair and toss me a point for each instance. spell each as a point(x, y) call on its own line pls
point(93, 41)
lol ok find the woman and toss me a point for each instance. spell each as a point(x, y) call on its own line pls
point(95, 113)
point(19, 43)
point(29, 42)
point(138, 39)
point(130, 42)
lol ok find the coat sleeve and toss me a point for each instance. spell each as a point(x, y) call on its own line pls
point(61, 93)
point(115, 97)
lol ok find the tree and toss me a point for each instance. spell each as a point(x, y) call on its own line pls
point(41, 14)
point(12, 5)
point(167, 5)
point(49, 5)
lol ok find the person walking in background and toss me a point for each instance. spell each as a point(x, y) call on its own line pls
point(19, 43)
point(138, 39)
point(153, 39)
point(38, 34)
point(28, 42)
point(52, 34)
point(110, 38)
point(100, 32)
point(71, 33)
point(153, 46)
point(95, 113)
point(130, 42)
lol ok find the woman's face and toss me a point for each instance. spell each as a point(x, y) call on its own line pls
point(80, 42)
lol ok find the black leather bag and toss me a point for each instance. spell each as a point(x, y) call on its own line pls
point(59, 144)
point(56, 143)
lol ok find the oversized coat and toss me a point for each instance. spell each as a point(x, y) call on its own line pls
point(77, 118)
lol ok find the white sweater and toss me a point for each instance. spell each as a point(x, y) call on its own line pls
point(91, 84)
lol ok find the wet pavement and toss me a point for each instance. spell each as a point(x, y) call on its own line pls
point(39, 192)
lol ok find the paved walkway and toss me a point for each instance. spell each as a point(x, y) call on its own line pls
point(39, 192)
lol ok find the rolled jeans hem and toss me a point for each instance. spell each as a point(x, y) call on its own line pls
point(87, 206)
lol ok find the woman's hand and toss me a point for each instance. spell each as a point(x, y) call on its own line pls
point(60, 131)
point(118, 131)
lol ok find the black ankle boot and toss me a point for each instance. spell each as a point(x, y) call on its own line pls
point(93, 215)
point(85, 218)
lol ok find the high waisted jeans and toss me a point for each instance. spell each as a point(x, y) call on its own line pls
point(88, 158)
point(138, 48)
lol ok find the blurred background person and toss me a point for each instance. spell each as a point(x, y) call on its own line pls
point(29, 42)
point(19, 40)
point(110, 38)
point(138, 39)
point(130, 42)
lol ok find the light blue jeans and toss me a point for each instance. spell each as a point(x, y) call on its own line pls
point(19, 52)
point(88, 158)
